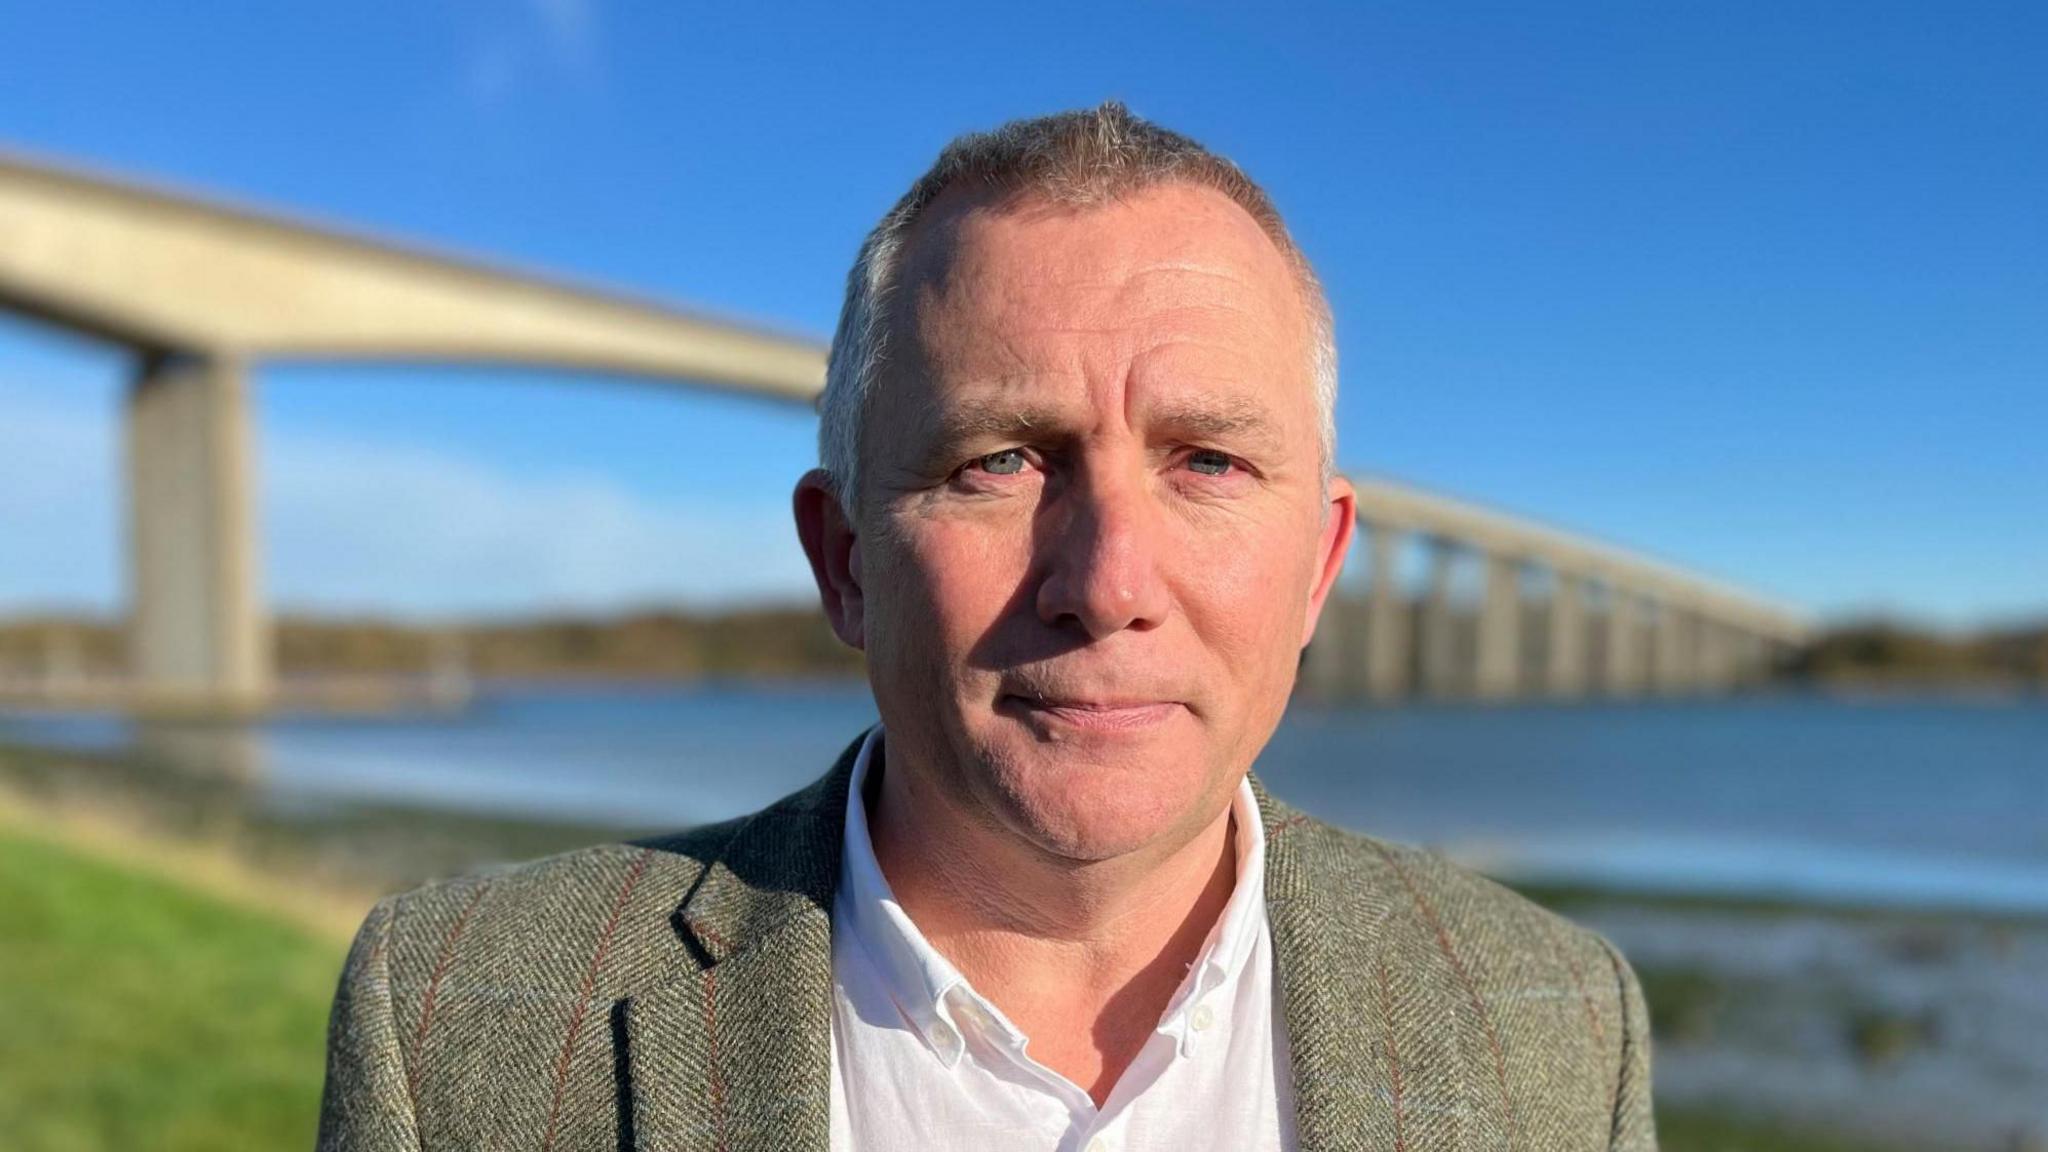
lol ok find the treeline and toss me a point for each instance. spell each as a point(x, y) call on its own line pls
point(759, 643)
point(788, 642)
point(1890, 655)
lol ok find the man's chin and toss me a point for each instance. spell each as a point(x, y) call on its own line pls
point(1076, 802)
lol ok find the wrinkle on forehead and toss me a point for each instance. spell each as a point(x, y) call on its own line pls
point(1073, 291)
point(947, 254)
point(1006, 325)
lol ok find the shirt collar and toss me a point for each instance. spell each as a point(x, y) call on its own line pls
point(918, 978)
point(927, 986)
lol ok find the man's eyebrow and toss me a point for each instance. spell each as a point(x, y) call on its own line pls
point(989, 419)
point(942, 431)
point(1236, 419)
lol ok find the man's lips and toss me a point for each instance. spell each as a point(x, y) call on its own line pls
point(1097, 715)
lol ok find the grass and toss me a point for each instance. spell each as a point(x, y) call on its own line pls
point(1683, 1003)
point(1716, 1130)
point(136, 1012)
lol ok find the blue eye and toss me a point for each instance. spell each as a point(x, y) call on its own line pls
point(1008, 462)
point(1209, 463)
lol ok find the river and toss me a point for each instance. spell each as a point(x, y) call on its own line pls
point(1940, 803)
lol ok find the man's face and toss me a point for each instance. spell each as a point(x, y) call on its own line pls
point(1093, 536)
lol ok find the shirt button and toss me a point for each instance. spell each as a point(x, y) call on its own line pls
point(1203, 1018)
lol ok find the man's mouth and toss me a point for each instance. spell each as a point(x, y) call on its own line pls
point(1096, 715)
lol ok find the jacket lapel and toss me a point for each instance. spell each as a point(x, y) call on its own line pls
point(736, 1054)
point(1372, 1065)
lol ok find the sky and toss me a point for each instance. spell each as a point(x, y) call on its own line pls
point(1760, 290)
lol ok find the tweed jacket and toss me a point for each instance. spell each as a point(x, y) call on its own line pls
point(674, 995)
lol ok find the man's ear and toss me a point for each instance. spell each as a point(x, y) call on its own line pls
point(1340, 524)
point(834, 552)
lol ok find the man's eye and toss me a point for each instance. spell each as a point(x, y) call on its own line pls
point(1008, 462)
point(1209, 463)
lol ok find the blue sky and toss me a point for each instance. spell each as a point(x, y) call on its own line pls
point(1760, 289)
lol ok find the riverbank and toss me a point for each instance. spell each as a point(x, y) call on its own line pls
point(128, 957)
point(1909, 1029)
point(1778, 1022)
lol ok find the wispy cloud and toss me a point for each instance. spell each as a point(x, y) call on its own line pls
point(571, 27)
point(357, 524)
point(354, 526)
point(532, 42)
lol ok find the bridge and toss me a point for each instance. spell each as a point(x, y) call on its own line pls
point(1557, 615)
point(203, 293)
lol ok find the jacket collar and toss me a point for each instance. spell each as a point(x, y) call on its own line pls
point(1331, 914)
point(781, 863)
point(737, 1054)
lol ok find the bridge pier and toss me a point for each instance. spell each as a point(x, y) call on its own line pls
point(1336, 655)
point(1438, 652)
point(1671, 667)
point(1499, 662)
point(1386, 625)
point(1713, 656)
point(1322, 665)
point(1624, 667)
point(1752, 658)
point(1564, 674)
point(199, 635)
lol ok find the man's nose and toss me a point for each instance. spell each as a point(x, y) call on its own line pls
point(1102, 572)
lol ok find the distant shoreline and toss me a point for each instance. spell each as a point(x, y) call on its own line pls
point(1874, 657)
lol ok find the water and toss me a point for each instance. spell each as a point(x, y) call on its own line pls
point(1924, 803)
point(1935, 803)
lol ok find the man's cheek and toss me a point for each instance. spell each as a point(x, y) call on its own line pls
point(1245, 576)
point(1248, 593)
point(971, 571)
point(934, 594)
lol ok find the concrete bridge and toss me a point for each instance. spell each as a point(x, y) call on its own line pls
point(203, 293)
point(1556, 615)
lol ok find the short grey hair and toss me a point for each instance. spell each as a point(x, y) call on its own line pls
point(1080, 159)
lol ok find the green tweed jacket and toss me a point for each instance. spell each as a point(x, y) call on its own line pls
point(675, 994)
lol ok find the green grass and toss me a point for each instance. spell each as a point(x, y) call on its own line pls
point(1716, 1130)
point(1684, 1003)
point(135, 1013)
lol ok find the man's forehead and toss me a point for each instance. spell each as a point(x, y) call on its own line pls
point(1018, 392)
point(1026, 257)
point(995, 295)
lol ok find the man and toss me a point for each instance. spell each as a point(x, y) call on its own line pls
point(1077, 505)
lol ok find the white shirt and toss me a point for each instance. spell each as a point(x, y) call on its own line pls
point(922, 1060)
